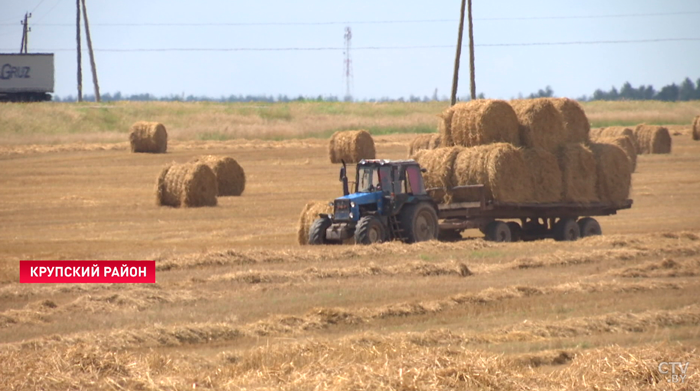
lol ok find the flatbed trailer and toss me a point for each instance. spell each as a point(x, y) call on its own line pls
point(558, 220)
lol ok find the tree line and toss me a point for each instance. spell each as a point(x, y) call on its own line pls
point(685, 91)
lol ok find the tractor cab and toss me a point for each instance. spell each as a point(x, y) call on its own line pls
point(383, 191)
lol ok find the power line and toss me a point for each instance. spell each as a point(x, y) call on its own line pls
point(339, 48)
point(246, 24)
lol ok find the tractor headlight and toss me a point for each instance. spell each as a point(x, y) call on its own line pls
point(352, 216)
point(352, 204)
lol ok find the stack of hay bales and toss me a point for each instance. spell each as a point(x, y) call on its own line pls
point(307, 217)
point(621, 136)
point(150, 137)
point(424, 141)
point(696, 128)
point(543, 127)
point(230, 176)
point(526, 151)
point(186, 185)
point(351, 146)
point(652, 139)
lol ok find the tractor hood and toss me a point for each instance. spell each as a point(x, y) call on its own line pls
point(347, 208)
point(363, 198)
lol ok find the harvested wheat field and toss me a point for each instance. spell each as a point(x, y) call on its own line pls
point(239, 304)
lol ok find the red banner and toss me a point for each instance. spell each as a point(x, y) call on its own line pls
point(86, 272)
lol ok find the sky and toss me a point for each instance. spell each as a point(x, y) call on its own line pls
point(399, 47)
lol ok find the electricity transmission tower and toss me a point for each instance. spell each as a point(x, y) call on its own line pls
point(348, 64)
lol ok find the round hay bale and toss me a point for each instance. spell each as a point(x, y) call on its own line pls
point(307, 217)
point(351, 146)
point(546, 175)
point(187, 185)
point(230, 177)
point(424, 141)
point(541, 124)
point(696, 129)
point(578, 172)
point(484, 121)
point(612, 131)
point(500, 167)
point(613, 172)
point(627, 145)
point(576, 123)
point(652, 139)
point(150, 137)
point(445, 127)
point(438, 164)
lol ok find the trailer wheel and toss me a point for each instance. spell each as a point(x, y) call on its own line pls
point(566, 229)
point(498, 231)
point(589, 227)
point(370, 230)
point(516, 232)
point(419, 222)
point(317, 232)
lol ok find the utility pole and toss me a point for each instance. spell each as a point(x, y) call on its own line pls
point(471, 53)
point(92, 55)
point(455, 76)
point(25, 32)
point(80, 69)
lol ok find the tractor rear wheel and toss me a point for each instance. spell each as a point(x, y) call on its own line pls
point(317, 232)
point(419, 222)
point(370, 230)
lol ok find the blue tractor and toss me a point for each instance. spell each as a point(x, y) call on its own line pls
point(389, 202)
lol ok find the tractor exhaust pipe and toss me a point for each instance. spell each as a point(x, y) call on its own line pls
point(344, 178)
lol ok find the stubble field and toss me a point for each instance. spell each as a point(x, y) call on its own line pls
point(239, 305)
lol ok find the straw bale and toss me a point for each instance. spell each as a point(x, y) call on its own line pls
point(652, 139)
point(579, 172)
point(624, 142)
point(576, 123)
point(351, 146)
point(484, 121)
point(445, 127)
point(438, 163)
point(541, 125)
point(307, 217)
point(230, 177)
point(148, 137)
point(424, 141)
point(614, 174)
point(187, 185)
point(696, 128)
point(500, 167)
point(546, 175)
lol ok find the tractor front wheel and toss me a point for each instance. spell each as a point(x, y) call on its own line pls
point(370, 230)
point(317, 232)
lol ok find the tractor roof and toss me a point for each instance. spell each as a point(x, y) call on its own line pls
point(382, 162)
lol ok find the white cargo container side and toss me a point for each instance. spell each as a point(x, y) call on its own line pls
point(26, 72)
